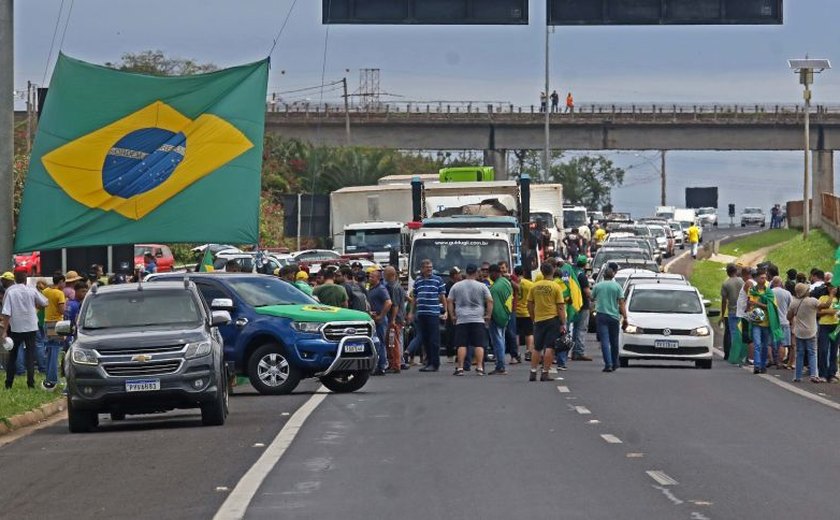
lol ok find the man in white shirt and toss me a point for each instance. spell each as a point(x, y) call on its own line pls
point(20, 316)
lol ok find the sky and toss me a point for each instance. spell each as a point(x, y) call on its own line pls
point(687, 64)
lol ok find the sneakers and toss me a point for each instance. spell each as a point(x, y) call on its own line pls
point(562, 368)
point(497, 372)
point(533, 376)
point(580, 357)
point(607, 369)
point(378, 372)
point(458, 372)
point(545, 377)
point(49, 387)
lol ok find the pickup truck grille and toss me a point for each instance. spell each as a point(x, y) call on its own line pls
point(154, 368)
point(337, 331)
point(167, 349)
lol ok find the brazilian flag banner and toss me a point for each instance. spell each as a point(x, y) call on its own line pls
point(122, 158)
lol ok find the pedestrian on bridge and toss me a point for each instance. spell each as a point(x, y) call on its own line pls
point(555, 102)
point(543, 101)
point(570, 103)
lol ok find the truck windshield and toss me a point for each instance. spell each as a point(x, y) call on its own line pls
point(543, 216)
point(141, 309)
point(574, 218)
point(371, 240)
point(446, 253)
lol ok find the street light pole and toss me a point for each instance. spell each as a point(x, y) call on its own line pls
point(346, 110)
point(7, 107)
point(547, 151)
point(662, 179)
point(806, 206)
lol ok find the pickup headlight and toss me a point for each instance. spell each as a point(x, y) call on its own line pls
point(197, 350)
point(310, 327)
point(632, 329)
point(701, 331)
point(83, 356)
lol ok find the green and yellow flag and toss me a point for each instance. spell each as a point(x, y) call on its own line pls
point(574, 296)
point(123, 158)
point(206, 262)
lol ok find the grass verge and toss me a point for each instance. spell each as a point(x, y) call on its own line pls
point(707, 276)
point(21, 399)
point(757, 241)
point(802, 255)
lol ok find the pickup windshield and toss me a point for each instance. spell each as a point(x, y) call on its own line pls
point(141, 309)
point(446, 253)
point(261, 291)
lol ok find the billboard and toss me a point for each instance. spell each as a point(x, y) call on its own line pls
point(701, 197)
point(429, 12)
point(664, 12)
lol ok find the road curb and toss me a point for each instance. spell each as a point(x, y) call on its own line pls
point(32, 417)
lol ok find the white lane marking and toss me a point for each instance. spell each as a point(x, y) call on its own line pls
point(285, 414)
point(236, 504)
point(594, 421)
point(222, 489)
point(669, 495)
point(259, 445)
point(610, 438)
point(582, 410)
point(635, 455)
point(563, 389)
point(661, 478)
point(791, 388)
point(699, 516)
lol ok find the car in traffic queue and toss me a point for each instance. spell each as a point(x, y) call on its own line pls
point(664, 239)
point(613, 254)
point(278, 335)
point(707, 216)
point(141, 349)
point(679, 233)
point(626, 270)
point(753, 217)
point(666, 322)
point(29, 262)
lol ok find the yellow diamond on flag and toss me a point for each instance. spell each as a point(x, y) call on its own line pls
point(137, 163)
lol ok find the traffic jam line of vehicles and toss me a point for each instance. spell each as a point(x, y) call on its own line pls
point(179, 339)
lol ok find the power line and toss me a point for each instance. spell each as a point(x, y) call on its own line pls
point(282, 27)
point(52, 43)
point(314, 87)
point(66, 24)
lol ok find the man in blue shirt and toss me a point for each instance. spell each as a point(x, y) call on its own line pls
point(428, 304)
point(380, 306)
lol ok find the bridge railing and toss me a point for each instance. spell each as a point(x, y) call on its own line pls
point(458, 109)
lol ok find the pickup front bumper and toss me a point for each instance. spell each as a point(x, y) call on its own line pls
point(354, 354)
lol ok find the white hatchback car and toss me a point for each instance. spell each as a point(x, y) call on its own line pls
point(667, 322)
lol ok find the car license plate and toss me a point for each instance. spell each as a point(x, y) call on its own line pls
point(666, 343)
point(354, 348)
point(142, 385)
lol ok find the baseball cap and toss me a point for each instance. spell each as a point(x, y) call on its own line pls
point(302, 275)
point(8, 276)
point(581, 260)
point(472, 268)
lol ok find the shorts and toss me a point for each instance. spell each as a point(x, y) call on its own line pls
point(546, 334)
point(470, 335)
point(524, 326)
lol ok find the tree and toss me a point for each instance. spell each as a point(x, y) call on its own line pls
point(587, 180)
point(155, 63)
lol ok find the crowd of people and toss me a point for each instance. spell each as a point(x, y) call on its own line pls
point(789, 324)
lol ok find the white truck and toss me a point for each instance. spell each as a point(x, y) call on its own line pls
point(666, 212)
point(359, 205)
point(547, 206)
point(574, 217)
point(687, 217)
point(380, 238)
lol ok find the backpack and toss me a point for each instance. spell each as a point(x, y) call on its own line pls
point(356, 298)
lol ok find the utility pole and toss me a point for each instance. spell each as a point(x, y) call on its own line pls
point(806, 206)
point(7, 114)
point(346, 110)
point(662, 179)
point(30, 105)
point(547, 152)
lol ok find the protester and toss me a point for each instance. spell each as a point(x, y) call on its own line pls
point(396, 320)
point(555, 102)
point(524, 323)
point(449, 337)
point(609, 306)
point(543, 101)
point(302, 282)
point(471, 306)
point(581, 323)
point(19, 316)
point(803, 314)
point(694, 239)
point(570, 103)
point(380, 305)
point(826, 341)
point(329, 293)
point(781, 346)
point(428, 308)
point(502, 292)
point(53, 313)
point(511, 339)
point(741, 313)
point(761, 298)
point(730, 292)
point(547, 309)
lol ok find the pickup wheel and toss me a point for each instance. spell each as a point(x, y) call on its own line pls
point(81, 421)
point(271, 372)
point(345, 382)
point(215, 413)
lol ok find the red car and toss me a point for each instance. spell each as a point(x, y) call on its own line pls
point(28, 262)
point(162, 254)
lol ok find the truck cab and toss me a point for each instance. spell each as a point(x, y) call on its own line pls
point(448, 248)
point(380, 238)
point(574, 217)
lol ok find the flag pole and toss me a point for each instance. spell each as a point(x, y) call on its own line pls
point(7, 111)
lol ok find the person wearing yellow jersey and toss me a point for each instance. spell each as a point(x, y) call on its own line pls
point(828, 321)
point(547, 309)
point(53, 313)
point(694, 239)
point(524, 323)
point(600, 235)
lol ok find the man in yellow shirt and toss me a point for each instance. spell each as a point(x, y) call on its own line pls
point(53, 313)
point(524, 323)
point(547, 309)
point(694, 239)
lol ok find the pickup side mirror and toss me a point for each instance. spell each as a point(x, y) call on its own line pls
point(222, 304)
point(219, 318)
point(64, 328)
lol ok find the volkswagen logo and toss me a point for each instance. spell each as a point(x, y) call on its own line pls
point(349, 331)
point(666, 332)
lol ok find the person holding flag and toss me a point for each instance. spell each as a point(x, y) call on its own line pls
point(581, 317)
point(827, 334)
point(766, 327)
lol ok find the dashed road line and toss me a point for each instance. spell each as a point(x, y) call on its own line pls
point(610, 438)
point(582, 410)
point(661, 478)
point(563, 389)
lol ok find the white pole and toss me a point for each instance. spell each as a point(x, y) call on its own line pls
point(547, 151)
point(806, 209)
point(299, 212)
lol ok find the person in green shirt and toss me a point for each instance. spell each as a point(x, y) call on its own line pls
point(609, 306)
point(302, 282)
point(329, 293)
point(502, 293)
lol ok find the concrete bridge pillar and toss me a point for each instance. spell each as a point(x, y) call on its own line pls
point(823, 181)
point(498, 160)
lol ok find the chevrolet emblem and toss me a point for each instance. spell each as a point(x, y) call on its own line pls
point(141, 358)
